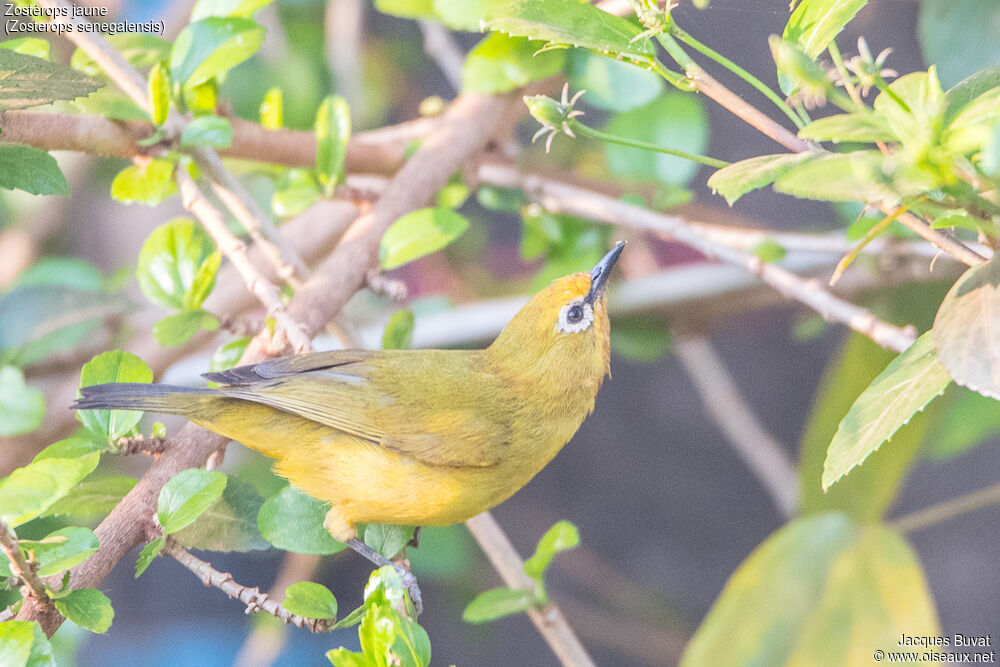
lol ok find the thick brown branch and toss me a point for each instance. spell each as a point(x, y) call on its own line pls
point(255, 599)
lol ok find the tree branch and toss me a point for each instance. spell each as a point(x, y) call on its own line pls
point(562, 198)
point(723, 400)
point(948, 509)
point(549, 620)
point(21, 568)
point(253, 598)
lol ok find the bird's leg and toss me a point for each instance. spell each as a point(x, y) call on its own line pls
point(409, 581)
point(415, 540)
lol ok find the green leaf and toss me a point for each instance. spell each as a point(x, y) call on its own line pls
point(178, 328)
point(867, 491)
point(29, 491)
point(965, 332)
point(29, 46)
point(229, 524)
point(342, 657)
point(310, 600)
point(815, 23)
point(272, 109)
point(497, 603)
point(500, 63)
point(30, 169)
point(570, 23)
point(22, 408)
point(296, 191)
point(969, 419)
point(66, 271)
point(462, 14)
point(419, 233)
point(158, 88)
point(150, 183)
point(409, 9)
point(139, 49)
point(293, 521)
point(92, 498)
point(972, 127)
point(113, 366)
point(975, 24)
point(821, 591)
point(333, 131)
point(562, 536)
point(398, 334)
point(186, 496)
point(16, 638)
point(61, 550)
point(853, 176)
point(177, 265)
point(41, 648)
point(73, 447)
point(27, 81)
point(87, 607)
point(228, 355)
point(640, 339)
point(111, 104)
point(769, 251)
point(211, 131)
point(611, 85)
point(40, 320)
point(674, 120)
point(148, 554)
point(905, 387)
point(211, 46)
point(918, 127)
point(970, 88)
point(387, 539)
point(854, 127)
point(246, 8)
point(741, 177)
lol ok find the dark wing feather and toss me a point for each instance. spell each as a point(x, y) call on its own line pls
point(285, 366)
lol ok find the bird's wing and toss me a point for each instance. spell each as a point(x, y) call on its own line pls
point(340, 389)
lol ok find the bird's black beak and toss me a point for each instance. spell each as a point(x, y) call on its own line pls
point(599, 274)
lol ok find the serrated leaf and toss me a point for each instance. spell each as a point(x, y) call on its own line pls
point(905, 387)
point(562, 536)
point(855, 176)
point(177, 265)
point(87, 607)
point(419, 233)
point(741, 177)
point(497, 603)
point(22, 408)
point(212, 131)
point(822, 590)
point(293, 521)
point(611, 85)
point(398, 334)
point(967, 332)
point(855, 127)
point(229, 524)
point(310, 600)
point(148, 554)
point(500, 63)
point(815, 23)
point(149, 183)
point(92, 498)
point(570, 23)
point(186, 496)
point(112, 366)
point(387, 539)
point(211, 46)
point(27, 81)
point(30, 169)
point(178, 328)
point(27, 492)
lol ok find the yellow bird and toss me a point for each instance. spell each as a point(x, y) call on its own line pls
point(411, 437)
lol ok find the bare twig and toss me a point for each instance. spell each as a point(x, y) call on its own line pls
point(762, 453)
point(253, 598)
point(20, 567)
point(383, 285)
point(549, 620)
point(441, 47)
point(949, 509)
point(142, 445)
point(197, 203)
point(562, 198)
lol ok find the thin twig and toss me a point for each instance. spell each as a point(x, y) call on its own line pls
point(443, 50)
point(563, 198)
point(20, 567)
point(948, 509)
point(195, 201)
point(142, 445)
point(724, 401)
point(255, 599)
point(549, 620)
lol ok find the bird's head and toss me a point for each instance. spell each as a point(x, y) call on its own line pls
point(565, 326)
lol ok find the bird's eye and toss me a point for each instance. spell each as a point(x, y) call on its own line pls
point(574, 314)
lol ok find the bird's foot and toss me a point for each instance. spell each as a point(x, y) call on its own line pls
point(410, 584)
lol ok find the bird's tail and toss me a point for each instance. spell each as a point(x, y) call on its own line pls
point(169, 399)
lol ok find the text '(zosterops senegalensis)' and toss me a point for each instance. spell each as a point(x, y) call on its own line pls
point(412, 437)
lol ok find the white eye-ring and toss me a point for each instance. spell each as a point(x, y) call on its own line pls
point(575, 317)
